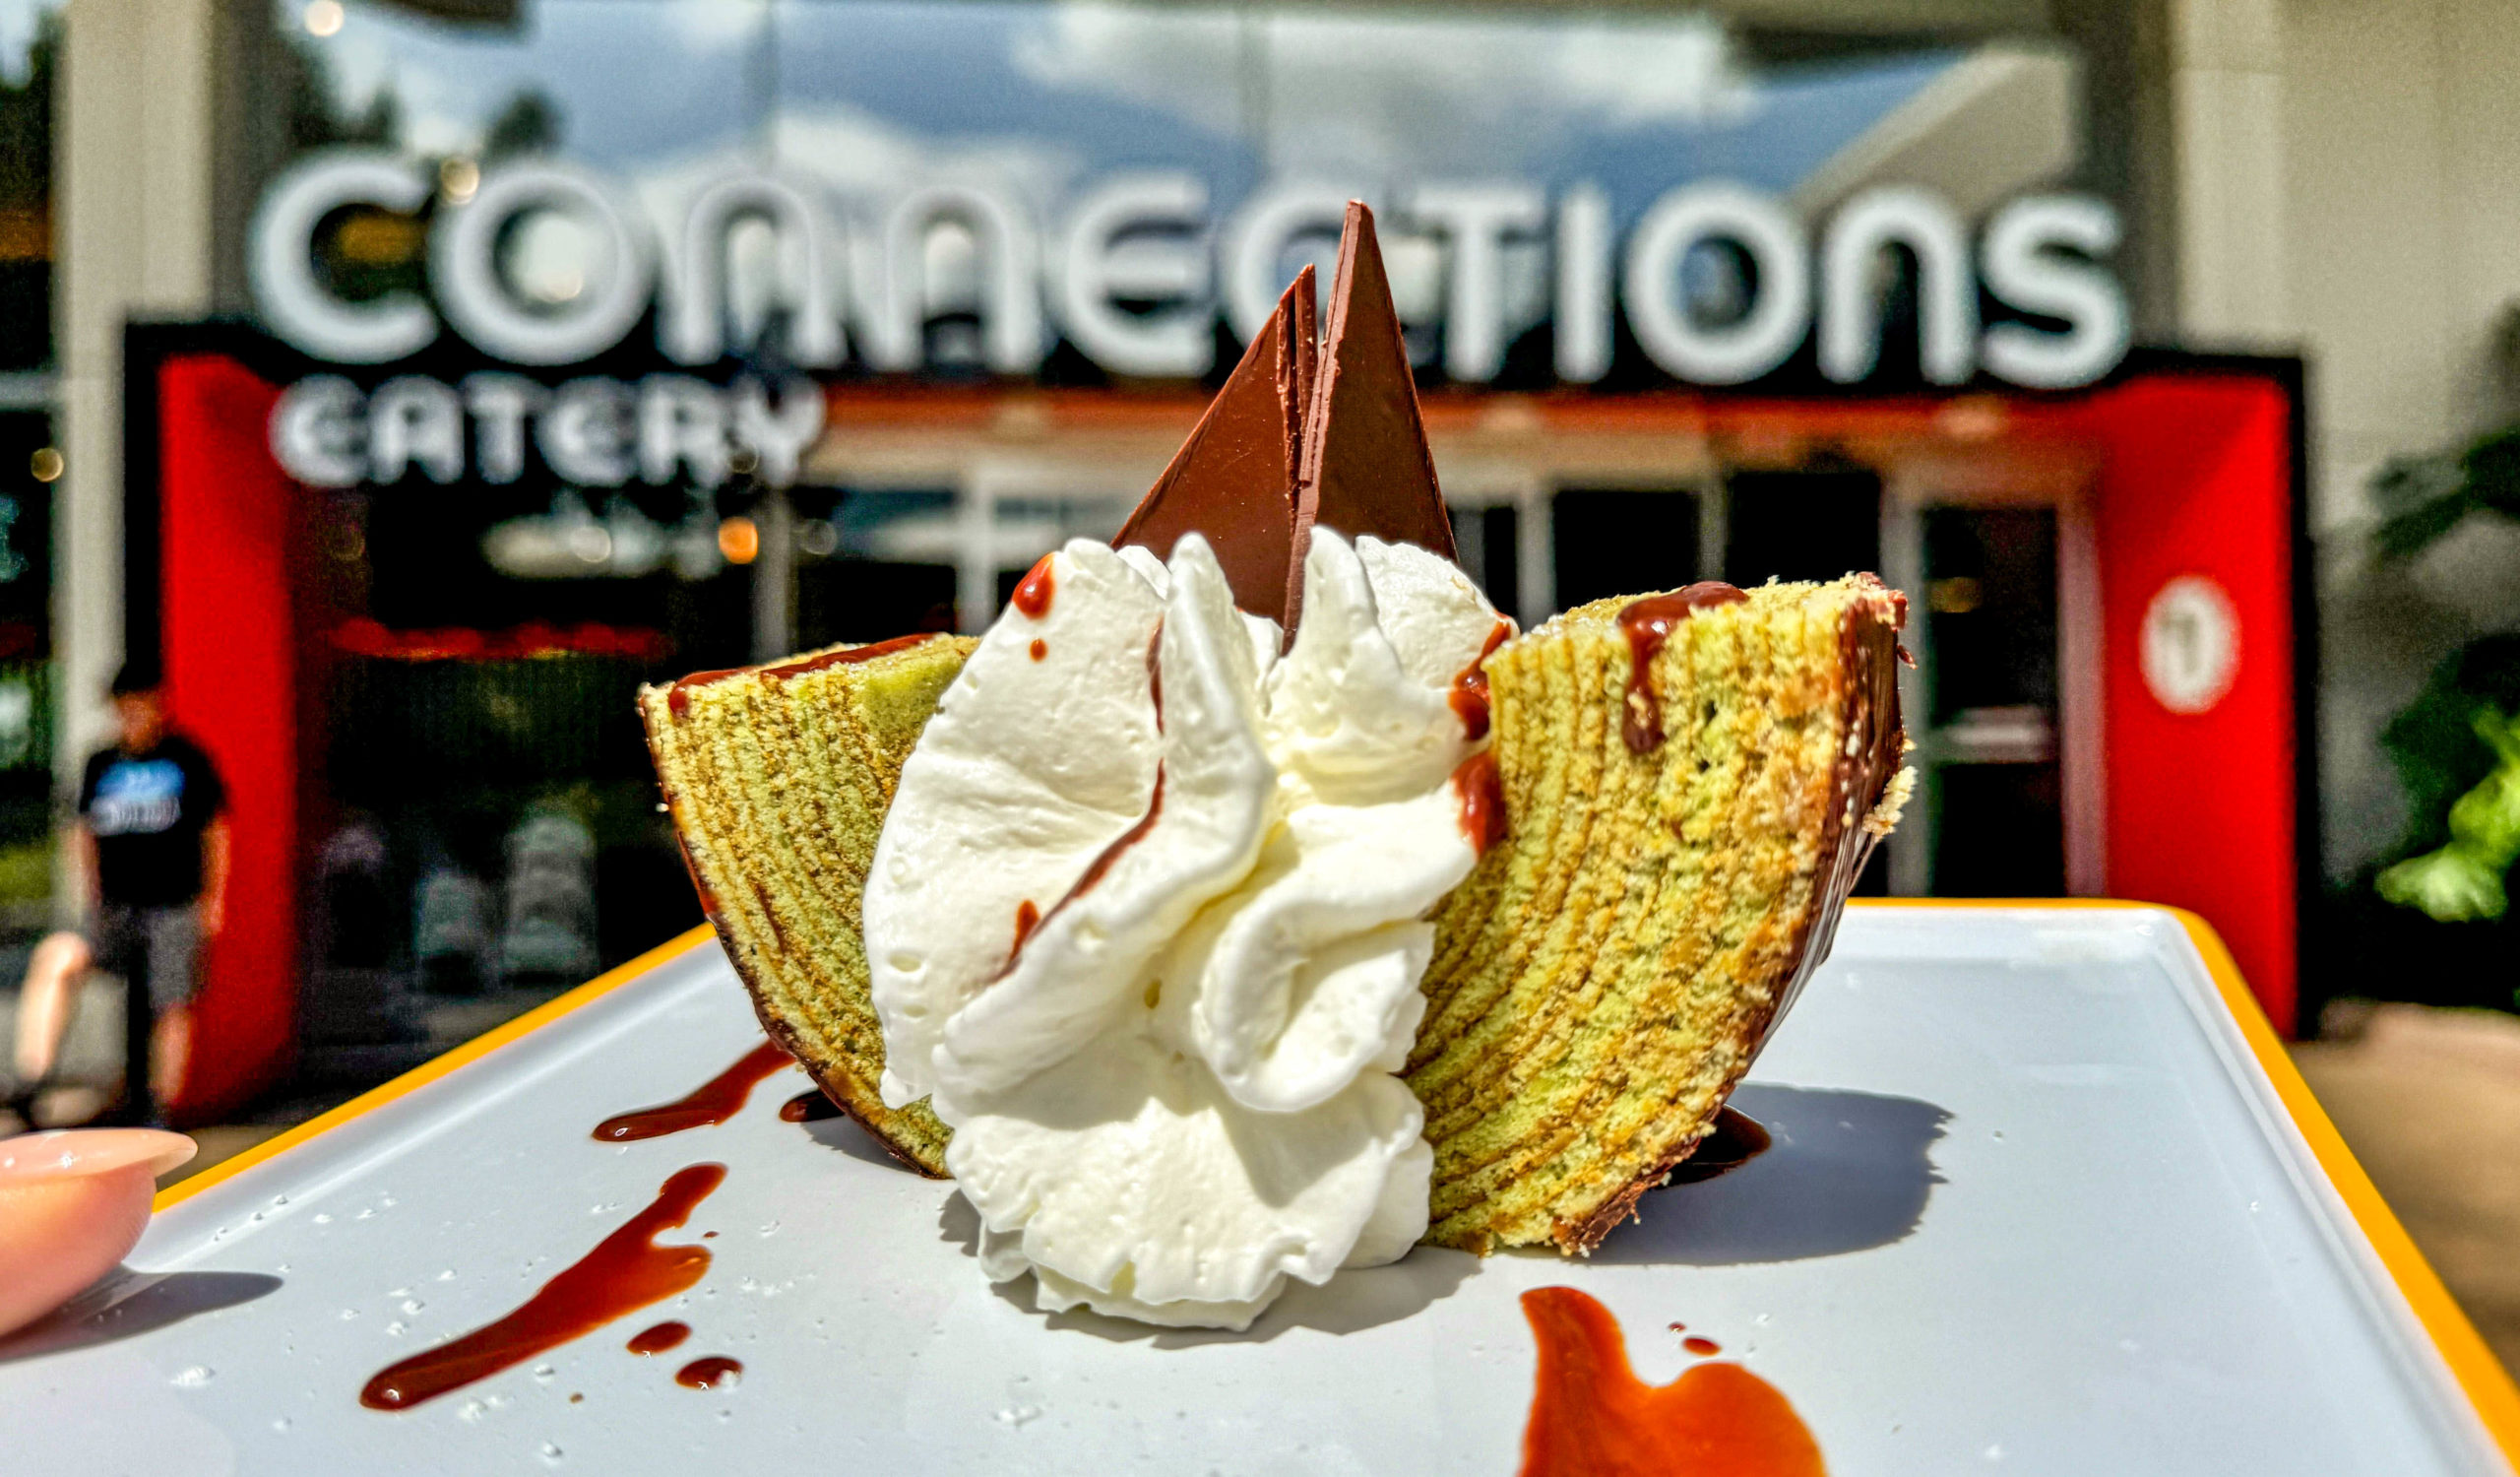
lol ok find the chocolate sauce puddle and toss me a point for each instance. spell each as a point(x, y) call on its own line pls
point(1736, 1139)
point(1648, 623)
point(809, 1108)
point(1592, 1417)
point(710, 1373)
point(625, 1272)
point(658, 1337)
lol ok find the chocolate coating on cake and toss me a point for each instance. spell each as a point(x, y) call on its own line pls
point(1857, 820)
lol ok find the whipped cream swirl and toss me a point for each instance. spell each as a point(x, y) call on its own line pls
point(1148, 917)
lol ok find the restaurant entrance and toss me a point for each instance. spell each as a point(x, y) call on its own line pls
point(423, 689)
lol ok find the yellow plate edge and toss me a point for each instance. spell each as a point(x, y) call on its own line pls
point(435, 1067)
point(2487, 1385)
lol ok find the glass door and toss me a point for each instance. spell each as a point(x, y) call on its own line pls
point(2002, 701)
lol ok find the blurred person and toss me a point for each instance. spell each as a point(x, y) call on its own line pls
point(151, 849)
point(47, 999)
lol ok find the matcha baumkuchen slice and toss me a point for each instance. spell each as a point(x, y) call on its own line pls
point(1691, 783)
point(779, 778)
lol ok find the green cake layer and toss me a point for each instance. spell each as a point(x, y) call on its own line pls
point(778, 778)
point(1601, 980)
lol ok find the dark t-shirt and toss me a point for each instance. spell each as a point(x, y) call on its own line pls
point(148, 813)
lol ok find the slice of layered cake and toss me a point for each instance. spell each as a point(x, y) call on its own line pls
point(1258, 902)
point(777, 779)
point(1690, 784)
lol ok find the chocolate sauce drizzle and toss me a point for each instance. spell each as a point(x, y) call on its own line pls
point(1877, 739)
point(847, 657)
point(625, 1272)
point(1033, 597)
point(1111, 855)
point(1468, 695)
point(678, 701)
point(1482, 794)
point(1648, 623)
point(712, 1103)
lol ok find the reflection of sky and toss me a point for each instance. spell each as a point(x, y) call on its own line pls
point(18, 22)
point(1372, 98)
point(950, 72)
point(634, 81)
point(1827, 114)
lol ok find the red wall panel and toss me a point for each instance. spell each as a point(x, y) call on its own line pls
point(229, 532)
point(2202, 807)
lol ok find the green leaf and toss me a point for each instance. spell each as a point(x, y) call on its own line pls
point(2449, 885)
point(2492, 467)
point(2409, 533)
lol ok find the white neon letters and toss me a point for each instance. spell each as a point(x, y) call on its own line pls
point(1474, 220)
point(1583, 315)
point(896, 300)
point(479, 302)
point(1136, 237)
point(591, 431)
point(693, 326)
point(1778, 314)
point(281, 261)
point(2025, 270)
point(1946, 298)
point(1136, 278)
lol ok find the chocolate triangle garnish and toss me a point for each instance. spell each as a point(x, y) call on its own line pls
point(1235, 479)
point(1365, 466)
point(1303, 307)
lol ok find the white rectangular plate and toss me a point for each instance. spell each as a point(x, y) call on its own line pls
point(2033, 1206)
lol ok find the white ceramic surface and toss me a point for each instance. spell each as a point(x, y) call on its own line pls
point(2031, 1207)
